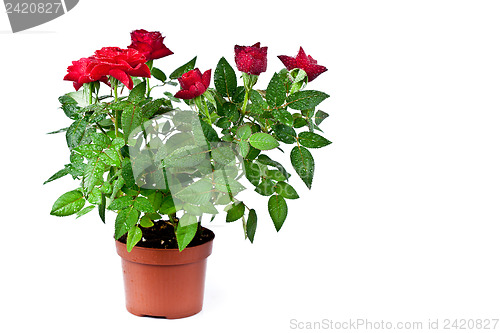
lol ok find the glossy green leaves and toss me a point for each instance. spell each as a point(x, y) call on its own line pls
point(225, 79)
point(306, 99)
point(278, 210)
point(69, 203)
point(303, 163)
point(263, 141)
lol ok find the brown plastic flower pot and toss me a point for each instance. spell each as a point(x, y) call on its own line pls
point(165, 282)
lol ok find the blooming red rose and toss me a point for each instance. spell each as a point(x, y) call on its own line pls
point(305, 62)
point(80, 72)
point(149, 43)
point(113, 61)
point(120, 64)
point(251, 59)
point(193, 84)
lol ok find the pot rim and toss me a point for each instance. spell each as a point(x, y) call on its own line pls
point(154, 256)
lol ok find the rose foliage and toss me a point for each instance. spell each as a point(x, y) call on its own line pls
point(128, 160)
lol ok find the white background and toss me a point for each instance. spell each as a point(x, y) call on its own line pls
point(402, 223)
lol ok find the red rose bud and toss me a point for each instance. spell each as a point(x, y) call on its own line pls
point(120, 64)
point(150, 44)
point(251, 59)
point(305, 62)
point(193, 84)
point(80, 72)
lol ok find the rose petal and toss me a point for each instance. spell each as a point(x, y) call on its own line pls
point(205, 78)
point(122, 77)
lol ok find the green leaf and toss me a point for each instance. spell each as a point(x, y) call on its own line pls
point(93, 174)
point(77, 134)
point(210, 134)
point(102, 208)
point(185, 234)
point(80, 97)
point(303, 163)
point(276, 91)
point(231, 111)
point(285, 133)
point(117, 186)
point(239, 95)
point(244, 132)
point(286, 190)
point(142, 204)
point(282, 116)
point(125, 220)
point(235, 212)
point(59, 130)
point(306, 99)
point(146, 222)
point(263, 141)
point(155, 198)
point(187, 219)
point(265, 188)
point(69, 203)
point(252, 172)
point(277, 210)
point(244, 148)
point(183, 69)
point(137, 93)
point(94, 195)
point(118, 143)
point(312, 140)
point(153, 107)
point(57, 175)
point(84, 211)
point(275, 175)
point(251, 224)
point(299, 122)
point(252, 154)
point(158, 74)
point(132, 118)
point(266, 160)
point(134, 235)
point(320, 116)
point(121, 203)
point(168, 206)
point(128, 173)
point(185, 157)
point(70, 107)
point(223, 122)
point(257, 99)
point(225, 79)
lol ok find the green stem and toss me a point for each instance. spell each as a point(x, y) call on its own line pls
point(172, 218)
point(116, 111)
point(91, 86)
point(207, 113)
point(245, 102)
point(149, 88)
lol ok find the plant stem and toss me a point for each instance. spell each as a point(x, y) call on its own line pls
point(116, 111)
point(149, 89)
point(245, 102)
point(206, 112)
point(90, 92)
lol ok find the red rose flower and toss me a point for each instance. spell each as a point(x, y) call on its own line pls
point(305, 62)
point(120, 64)
point(193, 84)
point(251, 59)
point(80, 72)
point(149, 43)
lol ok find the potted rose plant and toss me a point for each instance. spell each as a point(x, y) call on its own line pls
point(164, 163)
